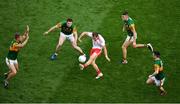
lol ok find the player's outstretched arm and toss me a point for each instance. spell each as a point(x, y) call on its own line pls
point(26, 33)
point(24, 43)
point(106, 53)
point(53, 28)
point(82, 35)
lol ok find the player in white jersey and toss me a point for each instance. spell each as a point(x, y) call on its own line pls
point(98, 44)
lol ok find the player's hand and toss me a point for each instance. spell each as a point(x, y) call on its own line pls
point(107, 58)
point(27, 28)
point(45, 33)
point(134, 43)
point(150, 76)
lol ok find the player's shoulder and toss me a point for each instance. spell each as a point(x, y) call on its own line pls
point(101, 37)
point(130, 20)
point(158, 62)
point(14, 42)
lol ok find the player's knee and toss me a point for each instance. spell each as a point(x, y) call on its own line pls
point(59, 45)
point(14, 72)
point(74, 46)
point(90, 61)
point(123, 47)
point(93, 63)
point(74, 43)
point(147, 82)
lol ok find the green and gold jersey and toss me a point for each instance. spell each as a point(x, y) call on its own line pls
point(128, 25)
point(13, 51)
point(158, 63)
point(65, 29)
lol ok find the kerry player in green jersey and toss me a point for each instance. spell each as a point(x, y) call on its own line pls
point(68, 31)
point(11, 60)
point(158, 77)
point(129, 26)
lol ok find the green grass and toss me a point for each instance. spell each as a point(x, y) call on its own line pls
point(41, 80)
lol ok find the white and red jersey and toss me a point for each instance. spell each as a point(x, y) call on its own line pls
point(99, 43)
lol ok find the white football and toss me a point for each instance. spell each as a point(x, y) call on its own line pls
point(82, 58)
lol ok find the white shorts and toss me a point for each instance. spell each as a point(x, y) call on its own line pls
point(11, 62)
point(69, 37)
point(130, 38)
point(158, 82)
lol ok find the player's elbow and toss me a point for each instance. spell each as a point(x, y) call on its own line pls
point(134, 46)
point(21, 46)
point(83, 33)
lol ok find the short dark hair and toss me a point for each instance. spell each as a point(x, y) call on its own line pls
point(69, 20)
point(17, 35)
point(125, 13)
point(94, 34)
point(156, 53)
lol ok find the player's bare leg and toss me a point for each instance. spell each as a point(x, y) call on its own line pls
point(149, 46)
point(10, 75)
point(6, 74)
point(162, 91)
point(60, 43)
point(124, 51)
point(74, 45)
point(99, 73)
point(16, 66)
point(139, 46)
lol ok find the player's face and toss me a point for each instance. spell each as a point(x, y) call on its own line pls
point(124, 17)
point(18, 39)
point(154, 56)
point(69, 24)
point(95, 38)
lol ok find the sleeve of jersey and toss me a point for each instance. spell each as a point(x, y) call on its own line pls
point(74, 28)
point(131, 24)
point(15, 45)
point(89, 34)
point(102, 41)
point(156, 66)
